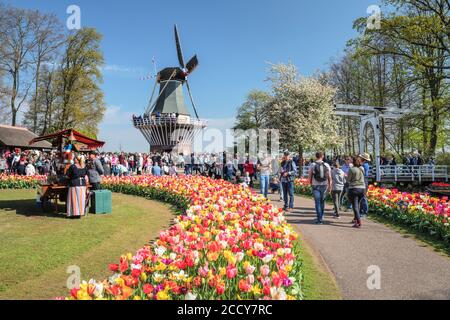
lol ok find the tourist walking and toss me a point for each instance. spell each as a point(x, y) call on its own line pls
point(346, 168)
point(288, 171)
point(357, 189)
point(265, 170)
point(365, 159)
point(337, 188)
point(76, 197)
point(320, 179)
point(250, 169)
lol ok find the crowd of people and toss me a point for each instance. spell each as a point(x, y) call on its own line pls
point(345, 178)
point(348, 177)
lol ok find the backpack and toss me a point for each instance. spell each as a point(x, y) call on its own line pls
point(320, 172)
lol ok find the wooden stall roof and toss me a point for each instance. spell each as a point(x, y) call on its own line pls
point(73, 135)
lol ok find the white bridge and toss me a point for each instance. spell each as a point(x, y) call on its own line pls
point(402, 173)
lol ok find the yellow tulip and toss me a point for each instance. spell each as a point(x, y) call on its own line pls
point(120, 282)
point(162, 295)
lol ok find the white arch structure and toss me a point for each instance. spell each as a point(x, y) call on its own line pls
point(369, 116)
point(373, 121)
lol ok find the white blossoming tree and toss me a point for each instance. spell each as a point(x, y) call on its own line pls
point(302, 110)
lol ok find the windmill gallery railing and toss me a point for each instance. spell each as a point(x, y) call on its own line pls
point(401, 173)
point(167, 119)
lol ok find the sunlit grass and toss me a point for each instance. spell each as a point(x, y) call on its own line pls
point(36, 249)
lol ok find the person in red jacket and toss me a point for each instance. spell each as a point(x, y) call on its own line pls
point(250, 168)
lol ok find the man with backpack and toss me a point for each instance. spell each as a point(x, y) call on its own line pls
point(288, 172)
point(320, 179)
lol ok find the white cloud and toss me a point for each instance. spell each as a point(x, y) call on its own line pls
point(115, 115)
point(122, 69)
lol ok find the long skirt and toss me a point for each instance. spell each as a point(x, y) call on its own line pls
point(76, 202)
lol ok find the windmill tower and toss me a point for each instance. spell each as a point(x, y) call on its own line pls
point(167, 123)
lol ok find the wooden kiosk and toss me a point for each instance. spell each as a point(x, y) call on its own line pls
point(56, 187)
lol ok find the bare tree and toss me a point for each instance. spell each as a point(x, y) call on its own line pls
point(48, 39)
point(16, 34)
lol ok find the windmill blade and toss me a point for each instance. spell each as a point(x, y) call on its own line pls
point(192, 99)
point(192, 64)
point(179, 50)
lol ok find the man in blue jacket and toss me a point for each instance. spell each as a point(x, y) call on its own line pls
point(156, 170)
point(288, 174)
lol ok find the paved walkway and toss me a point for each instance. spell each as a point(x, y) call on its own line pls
point(409, 270)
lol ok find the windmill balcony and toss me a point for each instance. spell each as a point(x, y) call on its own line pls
point(167, 119)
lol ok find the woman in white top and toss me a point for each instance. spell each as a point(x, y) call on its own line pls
point(30, 170)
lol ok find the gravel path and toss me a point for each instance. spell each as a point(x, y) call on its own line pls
point(408, 269)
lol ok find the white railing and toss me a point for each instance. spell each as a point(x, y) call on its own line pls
point(166, 119)
point(412, 173)
point(406, 173)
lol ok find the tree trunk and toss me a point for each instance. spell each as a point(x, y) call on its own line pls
point(13, 100)
point(383, 136)
point(435, 119)
point(300, 162)
point(36, 93)
point(13, 117)
point(402, 137)
point(434, 132)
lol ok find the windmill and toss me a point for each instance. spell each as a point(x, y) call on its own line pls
point(167, 123)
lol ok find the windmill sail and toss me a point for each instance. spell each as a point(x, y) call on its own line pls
point(167, 124)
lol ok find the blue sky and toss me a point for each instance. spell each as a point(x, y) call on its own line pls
point(233, 39)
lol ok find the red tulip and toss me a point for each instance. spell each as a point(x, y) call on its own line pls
point(147, 288)
point(113, 267)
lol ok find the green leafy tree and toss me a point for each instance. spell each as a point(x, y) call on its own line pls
point(418, 32)
point(253, 112)
point(80, 102)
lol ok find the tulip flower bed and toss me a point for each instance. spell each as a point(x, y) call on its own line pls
point(440, 186)
point(229, 244)
point(422, 212)
point(419, 211)
point(20, 182)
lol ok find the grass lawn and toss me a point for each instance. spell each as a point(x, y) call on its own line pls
point(37, 248)
point(319, 283)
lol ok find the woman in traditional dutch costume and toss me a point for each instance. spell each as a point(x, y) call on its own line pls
point(76, 197)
